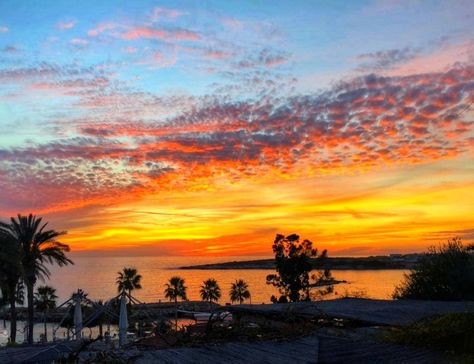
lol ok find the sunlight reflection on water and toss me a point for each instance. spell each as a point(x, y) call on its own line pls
point(96, 275)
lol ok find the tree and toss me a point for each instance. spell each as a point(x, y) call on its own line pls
point(38, 247)
point(239, 291)
point(128, 280)
point(210, 291)
point(10, 277)
point(445, 272)
point(100, 318)
point(293, 260)
point(175, 289)
point(45, 300)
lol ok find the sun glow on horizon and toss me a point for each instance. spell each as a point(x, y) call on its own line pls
point(205, 129)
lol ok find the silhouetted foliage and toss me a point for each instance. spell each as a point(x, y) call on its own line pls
point(11, 284)
point(293, 265)
point(443, 273)
point(210, 291)
point(128, 280)
point(453, 333)
point(38, 247)
point(239, 291)
point(45, 300)
point(175, 289)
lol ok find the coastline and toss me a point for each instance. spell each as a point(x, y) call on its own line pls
point(333, 263)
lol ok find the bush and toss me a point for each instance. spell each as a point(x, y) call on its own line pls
point(444, 273)
point(452, 332)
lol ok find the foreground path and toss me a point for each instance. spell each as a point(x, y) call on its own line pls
point(379, 312)
point(312, 349)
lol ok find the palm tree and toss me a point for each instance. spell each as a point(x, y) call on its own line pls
point(10, 277)
point(45, 300)
point(38, 247)
point(100, 318)
point(239, 291)
point(210, 291)
point(175, 289)
point(128, 280)
point(3, 304)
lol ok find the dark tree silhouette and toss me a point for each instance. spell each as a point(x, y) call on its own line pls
point(175, 289)
point(293, 260)
point(10, 277)
point(443, 273)
point(45, 300)
point(210, 291)
point(239, 291)
point(38, 247)
point(128, 280)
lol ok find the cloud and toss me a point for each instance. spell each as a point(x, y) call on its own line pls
point(436, 60)
point(130, 49)
point(359, 124)
point(64, 25)
point(159, 13)
point(102, 27)
point(441, 236)
point(383, 60)
point(266, 57)
point(159, 33)
point(10, 49)
point(232, 23)
point(79, 41)
point(215, 54)
point(43, 70)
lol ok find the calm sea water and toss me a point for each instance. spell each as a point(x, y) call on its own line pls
point(97, 275)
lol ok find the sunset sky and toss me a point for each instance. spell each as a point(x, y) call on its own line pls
point(206, 127)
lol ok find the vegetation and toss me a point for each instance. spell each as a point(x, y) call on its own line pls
point(403, 261)
point(100, 318)
point(37, 247)
point(175, 289)
point(239, 291)
point(293, 265)
point(210, 291)
point(128, 280)
point(10, 277)
point(444, 273)
point(45, 300)
point(453, 332)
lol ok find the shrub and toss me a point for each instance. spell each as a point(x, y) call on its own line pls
point(444, 273)
point(452, 332)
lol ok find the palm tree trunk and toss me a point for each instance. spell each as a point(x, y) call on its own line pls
point(176, 314)
point(45, 326)
point(29, 287)
point(12, 318)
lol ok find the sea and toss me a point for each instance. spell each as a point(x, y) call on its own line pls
point(97, 277)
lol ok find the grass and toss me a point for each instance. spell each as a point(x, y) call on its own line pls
point(452, 334)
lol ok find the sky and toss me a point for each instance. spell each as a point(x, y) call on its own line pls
point(207, 127)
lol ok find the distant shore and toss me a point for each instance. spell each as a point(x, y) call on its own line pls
point(336, 263)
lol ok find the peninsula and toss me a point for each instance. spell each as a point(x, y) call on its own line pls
point(393, 261)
